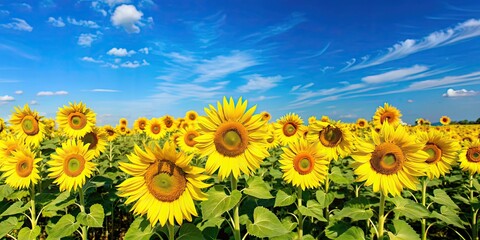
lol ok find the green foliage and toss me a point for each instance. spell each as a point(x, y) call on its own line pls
point(92, 219)
point(402, 231)
point(219, 202)
point(282, 199)
point(265, 224)
point(258, 188)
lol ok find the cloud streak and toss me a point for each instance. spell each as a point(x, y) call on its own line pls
point(50, 93)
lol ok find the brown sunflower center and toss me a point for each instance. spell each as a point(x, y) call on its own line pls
point(77, 120)
point(361, 123)
point(473, 154)
point(141, 125)
point(231, 139)
point(165, 181)
point(74, 165)
point(434, 153)
point(155, 128)
point(30, 125)
point(192, 116)
point(387, 158)
point(330, 136)
point(24, 167)
point(91, 138)
point(110, 132)
point(389, 116)
point(168, 122)
point(303, 163)
point(189, 138)
point(289, 129)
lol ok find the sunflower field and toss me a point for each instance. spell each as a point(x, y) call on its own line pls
point(233, 173)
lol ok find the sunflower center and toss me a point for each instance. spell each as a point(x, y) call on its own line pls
point(24, 167)
point(192, 116)
point(155, 128)
point(361, 123)
point(30, 125)
point(473, 154)
point(387, 158)
point(141, 125)
point(91, 138)
point(231, 139)
point(168, 123)
point(74, 165)
point(389, 116)
point(289, 129)
point(189, 138)
point(270, 139)
point(165, 181)
point(303, 163)
point(330, 136)
point(110, 132)
point(434, 153)
point(77, 120)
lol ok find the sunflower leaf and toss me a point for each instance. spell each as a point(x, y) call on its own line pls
point(5, 191)
point(338, 177)
point(448, 216)
point(313, 209)
point(27, 233)
point(7, 225)
point(64, 227)
point(211, 222)
point(402, 231)
point(282, 199)
point(140, 229)
point(324, 199)
point(356, 214)
point(335, 229)
point(94, 218)
point(265, 224)
point(441, 197)
point(408, 208)
point(15, 208)
point(353, 233)
point(219, 202)
point(60, 203)
point(258, 188)
point(189, 231)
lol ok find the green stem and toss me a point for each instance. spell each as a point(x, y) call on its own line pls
point(424, 203)
point(474, 212)
point(236, 216)
point(110, 155)
point(381, 216)
point(326, 212)
point(171, 231)
point(300, 216)
point(82, 209)
point(32, 209)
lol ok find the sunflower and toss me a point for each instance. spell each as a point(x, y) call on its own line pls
point(123, 122)
point(76, 120)
point(272, 141)
point(139, 124)
point(169, 123)
point(174, 137)
point(186, 140)
point(155, 129)
point(287, 128)
point(191, 116)
point(420, 121)
point(303, 164)
point(325, 118)
point(442, 152)
point(27, 125)
point(21, 169)
point(163, 184)
point(334, 138)
point(444, 120)
point(8, 145)
point(312, 119)
point(97, 139)
point(469, 157)
point(266, 116)
point(232, 138)
point(121, 129)
point(71, 165)
point(3, 127)
point(362, 123)
point(111, 132)
point(386, 113)
point(390, 160)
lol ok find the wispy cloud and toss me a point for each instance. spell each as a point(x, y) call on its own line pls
point(18, 52)
point(18, 24)
point(221, 66)
point(395, 75)
point(259, 83)
point(293, 20)
point(50, 93)
point(90, 59)
point(120, 52)
point(261, 98)
point(173, 92)
point(84, 23)
point(134, 64)
point(19, 92)
point(460, 93)
point(86, 39)
point(56, 22)
point(7, 98)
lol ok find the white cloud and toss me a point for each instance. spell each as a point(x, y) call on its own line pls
point(460, 93)
point(18, 24)
point(112, 3)
point(50, 93)
point(110, 65)
point(221, 66)
point(261, 98)
point(120, 52)
point(56, 22)
point(128, 17)
point(85, 23)
point(6, 98)
point(172, 92)
point(33, 102)
point(410, 101)
point(256, 82)
point(395, 75)
point(104, 90)
point(86, 39)
point(144, 50)
point(134, 64)
point(90, 59)
point(448, 80)
point(19, 92)
point(178, 57)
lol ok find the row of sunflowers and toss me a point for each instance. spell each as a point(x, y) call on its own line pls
point(249, 176)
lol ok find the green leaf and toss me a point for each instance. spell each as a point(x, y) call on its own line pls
point(402, 231)
point(265, 224)
point(288, 224)
point(338, 177)
point(441, 197)
point(27, 233)
point(408, 208)
point(282, 199)
point(219, 202)
point(94, 218)
point(212, 222)
point(448, 216)
point(258, 188)
point(189, 231)
point(335, 229)
point(7, 225)
point(64, 227)
point(139, 229)
point(59, 203)
point(5, 191)
point(476, 185)
point(353, 233)
point(313, 209)
point(356, 214)
point(15, 208)
point(324, 199)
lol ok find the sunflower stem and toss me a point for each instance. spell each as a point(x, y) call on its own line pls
point(236, 216)
point(171, 231)
point(474, 212)
point(300, 216)
point(424, 203)
point(326, 211)
point(32, 210)
point(82, 209)
point(381, 216)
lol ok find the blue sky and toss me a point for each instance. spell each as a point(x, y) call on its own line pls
point(148, 58)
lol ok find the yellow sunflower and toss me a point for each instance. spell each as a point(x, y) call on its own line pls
point(76, 120)
point(186, 140)
point(469, 157)
point(121, 129)
point(111, 132)
point(272, 141)
point(71, 165)
point(442, 151)
point(163, 184)
point(387, 113)
point(169, 123)
point(288, 128)
point(3, 127)
point(390, 160)
point(444, 120)
point(155, 129)
point(312, 119)
point(232, 138)
point(362, 123)
point(303, 164)
point(191, 116)
point(21, 168)
point(420, 121)
point(334, 138)
point(140, 124)
point(325, 118)
point(27, 126)
point(97, 138)
point(8, 145)
point(123, 122)
point(266, 116)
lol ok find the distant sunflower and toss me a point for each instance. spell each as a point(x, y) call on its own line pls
point(325, 118)
point(140, 124)
point(174, 137)
point(8, 145)
point(186, 140)
point(122, 129)
point(442, 152)
point(27, 125)
point(390, 160)
point(163, 184)
point(387, 113)
point(123, 122)
point(232, 138)
point(362, 123)
point(71, 165)
point(444, 120)
point(3, 127)
point(155, 129)
point(266, 116)
point(191, 116)
point(111, 132)
point(76, 119)
point(287, 128)
point(97, 138)
point(334, 138)
point(169, 123)
point(303, 164)
point(272, 140)
point(312, 119)
point(420, 121)
point(21, 169)
point(469, 157)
